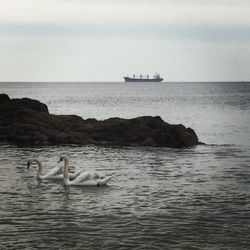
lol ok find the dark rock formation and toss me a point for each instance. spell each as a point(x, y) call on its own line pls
point(4, 98)
point(27, 121)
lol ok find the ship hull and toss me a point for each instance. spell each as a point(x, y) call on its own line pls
point(128, 79)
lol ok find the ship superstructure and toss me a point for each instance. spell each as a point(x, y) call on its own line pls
point(142, 78)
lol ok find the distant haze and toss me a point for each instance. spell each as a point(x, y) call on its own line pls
point(103, 40)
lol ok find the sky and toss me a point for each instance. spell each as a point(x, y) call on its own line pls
point(104, 40)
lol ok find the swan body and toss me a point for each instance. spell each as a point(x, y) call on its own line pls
point(83, 179)
point(54, 174)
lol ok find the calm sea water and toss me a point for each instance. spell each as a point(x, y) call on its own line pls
point(160, 198)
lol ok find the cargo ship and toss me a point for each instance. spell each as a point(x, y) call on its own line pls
point(141, 78)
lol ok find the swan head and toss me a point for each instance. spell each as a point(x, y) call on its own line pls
point(29, 163)
point(62, 158)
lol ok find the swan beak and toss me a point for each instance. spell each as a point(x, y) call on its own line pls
point(28, 164)
point(61, 159)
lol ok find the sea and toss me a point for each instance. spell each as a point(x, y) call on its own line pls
point(159, 198)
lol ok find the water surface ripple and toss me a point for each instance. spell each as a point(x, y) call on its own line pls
point(159, 198)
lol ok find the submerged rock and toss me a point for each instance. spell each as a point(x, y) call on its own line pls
point(27, 121)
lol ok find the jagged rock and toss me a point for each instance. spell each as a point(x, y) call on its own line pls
point(27, 121)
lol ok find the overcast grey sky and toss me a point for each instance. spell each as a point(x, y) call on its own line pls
point(103, 40)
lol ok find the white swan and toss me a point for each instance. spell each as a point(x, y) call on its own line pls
point(85, 178)
point(54, 174)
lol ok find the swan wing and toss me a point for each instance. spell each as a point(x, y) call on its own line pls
point(52, 172)
point(81, 178)
point(75, 174)
point(93, 182)
point(96, 175)
point(104, 181)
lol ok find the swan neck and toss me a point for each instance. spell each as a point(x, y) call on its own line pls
point(40, 168)
point(66, 171)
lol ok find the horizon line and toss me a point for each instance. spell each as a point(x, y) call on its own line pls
point(245, 81)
